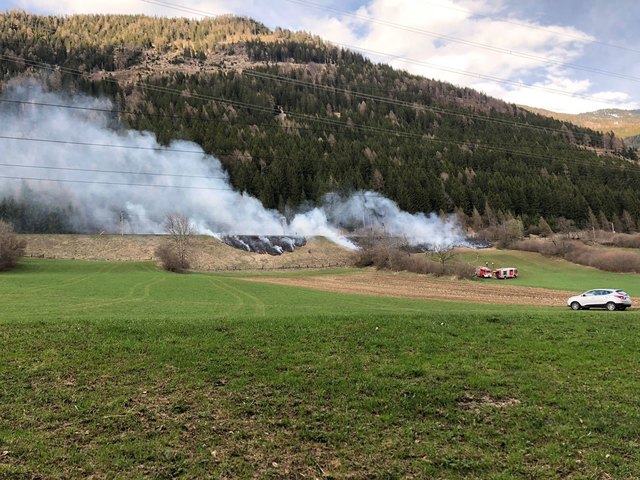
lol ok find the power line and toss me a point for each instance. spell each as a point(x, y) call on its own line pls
point(413, 105)
point(499, 148)
point(251, 106)
point(154, 185)
point(97, 182)
point(246, 105)
point(503, 149)
point(532, 27)
point(462, 41)
point(487, 77)
point(279, 78)
point(418, 62)
point(310, 118)
point(181, 8)
point(124, 172)
point(467, 73)
point(158, 149)
point(107, 145)
point(180, 187)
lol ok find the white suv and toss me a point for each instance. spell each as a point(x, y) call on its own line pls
point(608, 298)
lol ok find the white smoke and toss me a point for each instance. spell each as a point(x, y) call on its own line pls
point(379, 213)
point(191, 182)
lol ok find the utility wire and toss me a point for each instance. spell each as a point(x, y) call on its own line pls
point(180, 187)
point(565, 161)
point(92, 182)
point(107, 145)
point(181, 8)
point(462, 41)
point(124, 172)
point(304, 117)
point(154, 185)
point(532, 27)
point(225, 101)
point(279, 78)
point(481, 76)
point(467, 73)
point(470, 146)
point(401, 103)
point(310, 118)
point(418, 62)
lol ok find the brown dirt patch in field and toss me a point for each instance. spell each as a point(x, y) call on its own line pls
point(410, 285)
point(473, 403)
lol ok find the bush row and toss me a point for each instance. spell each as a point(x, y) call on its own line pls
point(395, 259)
point(577, 252)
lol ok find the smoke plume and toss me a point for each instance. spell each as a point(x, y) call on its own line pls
point(96, 183)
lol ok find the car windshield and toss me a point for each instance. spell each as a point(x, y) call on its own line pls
point(622, 292)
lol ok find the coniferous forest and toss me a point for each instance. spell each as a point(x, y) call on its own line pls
point(292, 118)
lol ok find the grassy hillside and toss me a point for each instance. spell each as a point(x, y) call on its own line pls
point(209, 253)
point(120, 370)
point(539, 271)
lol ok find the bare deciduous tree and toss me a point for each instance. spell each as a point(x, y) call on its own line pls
point(11, 249)
point(443, 253)
point(175, 254)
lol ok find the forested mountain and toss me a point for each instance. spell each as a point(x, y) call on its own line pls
point(293, 117)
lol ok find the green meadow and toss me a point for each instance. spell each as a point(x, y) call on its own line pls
point(120, 370)
point(539, 271)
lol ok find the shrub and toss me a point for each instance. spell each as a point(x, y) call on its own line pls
point(11, 249)
point(557, 246)
point(461, 270)
point(625, 240)
point(384, 257)
point(170, 259)
point(503, 234)
point(608, 260)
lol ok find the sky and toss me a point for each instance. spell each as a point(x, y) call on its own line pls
point(568, 56)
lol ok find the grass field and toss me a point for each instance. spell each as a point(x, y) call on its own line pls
point(118, 370)
point(539, 271)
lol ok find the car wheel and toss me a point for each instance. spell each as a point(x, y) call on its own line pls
point(611, 306)
point(575, 306)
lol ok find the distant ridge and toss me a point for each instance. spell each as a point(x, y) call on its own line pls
point(624, 123)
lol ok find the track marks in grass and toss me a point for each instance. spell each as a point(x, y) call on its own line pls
point(57, 284)
point(132, 296)
point(244, 298)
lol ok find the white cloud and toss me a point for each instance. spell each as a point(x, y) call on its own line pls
point(574, 99)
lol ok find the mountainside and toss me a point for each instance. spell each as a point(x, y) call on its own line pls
point(293, 118)
point(633, 141)
point(624, 123)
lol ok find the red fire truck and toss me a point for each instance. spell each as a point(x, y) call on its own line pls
point(484, 272)
point(506, 272)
